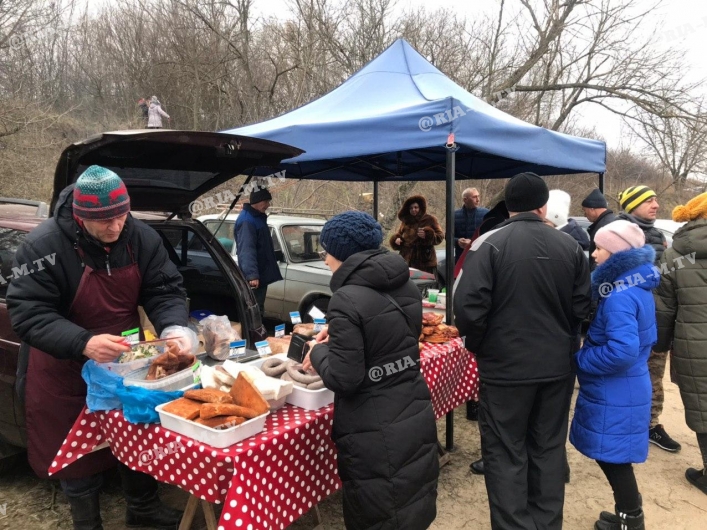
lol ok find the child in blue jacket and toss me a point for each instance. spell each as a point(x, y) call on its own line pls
point(613, 407)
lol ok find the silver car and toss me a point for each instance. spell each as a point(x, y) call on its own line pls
point(306, 276)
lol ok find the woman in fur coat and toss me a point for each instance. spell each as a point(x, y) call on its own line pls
point(418, 234)
point(612, 413)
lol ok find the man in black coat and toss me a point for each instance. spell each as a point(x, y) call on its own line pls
point(596, 209)
point(518, 303)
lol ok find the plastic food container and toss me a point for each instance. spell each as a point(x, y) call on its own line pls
point(302, 397)
point(213, 437)
point(126, 368)
point(179, 381)
point(310, 399)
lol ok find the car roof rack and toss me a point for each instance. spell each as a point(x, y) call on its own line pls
point(42, 207)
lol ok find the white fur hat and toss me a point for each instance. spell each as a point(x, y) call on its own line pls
point(558, 208)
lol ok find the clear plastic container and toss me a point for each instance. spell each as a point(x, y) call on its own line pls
point(126, 368)
point(218, 438)
point(178, 381)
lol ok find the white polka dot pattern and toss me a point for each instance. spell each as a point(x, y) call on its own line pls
point(268, 480)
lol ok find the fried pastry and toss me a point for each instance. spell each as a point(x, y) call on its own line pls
point(211, 410)
point(208, 395)
point(184, 408)
point(246, 395)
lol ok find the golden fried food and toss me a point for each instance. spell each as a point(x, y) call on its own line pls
point(209, 395)
point(246, 395)
point(184, 408)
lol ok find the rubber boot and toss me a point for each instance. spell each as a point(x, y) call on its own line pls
point(144, 506)
point(86, 512)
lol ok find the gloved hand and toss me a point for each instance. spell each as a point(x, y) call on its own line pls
point(185, 337)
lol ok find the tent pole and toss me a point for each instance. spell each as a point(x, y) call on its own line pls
point(375, 200)
point(601, 182)
point(449, 244)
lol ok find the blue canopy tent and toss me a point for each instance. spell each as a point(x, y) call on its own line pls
point(400, 118)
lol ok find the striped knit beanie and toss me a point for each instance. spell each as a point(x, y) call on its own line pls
point(632, 197)
point(100, 195)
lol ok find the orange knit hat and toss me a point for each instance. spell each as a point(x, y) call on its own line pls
point(694, 209)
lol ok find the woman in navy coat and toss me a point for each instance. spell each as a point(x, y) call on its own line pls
point(612, 413)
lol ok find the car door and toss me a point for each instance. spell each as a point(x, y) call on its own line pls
point(11, 413)
point(276, 291)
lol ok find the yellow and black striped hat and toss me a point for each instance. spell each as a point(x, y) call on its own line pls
point(632, 197)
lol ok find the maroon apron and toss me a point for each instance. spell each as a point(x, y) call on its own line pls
point(56, 393)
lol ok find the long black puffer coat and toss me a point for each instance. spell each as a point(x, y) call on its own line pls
point(384, 426)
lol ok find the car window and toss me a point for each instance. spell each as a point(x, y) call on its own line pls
point(302, 242)
point(225, 229)
point(10, 239)
point(275, 240)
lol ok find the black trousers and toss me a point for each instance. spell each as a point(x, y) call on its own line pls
point(623, 483)
point(523, 435)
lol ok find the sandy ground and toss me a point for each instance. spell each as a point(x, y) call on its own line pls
point(670, 502)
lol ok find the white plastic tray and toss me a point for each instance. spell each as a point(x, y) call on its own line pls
point(301, 397)
point(213, 437)
point(178, 381)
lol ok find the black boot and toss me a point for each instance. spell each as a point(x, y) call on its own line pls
point(698, 478)
point(620, 521)
point(472, 410)
point(86, 512)
point(144, 506)
point(477, 467)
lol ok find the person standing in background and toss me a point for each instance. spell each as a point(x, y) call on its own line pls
point(558, 211)
point(254, 246)
point(596, 209)
point(418, 234)
point(467, 220)
point(640, 206)
point(681, 313)
point(155, 114)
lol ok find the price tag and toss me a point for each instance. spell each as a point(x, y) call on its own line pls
point(295, 318)
point(263, 348)
point(132, 336)
point(319, 324)
point(236, 349)
point(280, 330)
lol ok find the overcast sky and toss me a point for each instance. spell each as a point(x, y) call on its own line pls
point(681, 23)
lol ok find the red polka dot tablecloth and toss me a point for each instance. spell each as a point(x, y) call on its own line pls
point(268, 480)
point(451, 373)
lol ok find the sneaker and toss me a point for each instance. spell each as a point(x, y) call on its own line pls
point(658, 436)
point(697, 478)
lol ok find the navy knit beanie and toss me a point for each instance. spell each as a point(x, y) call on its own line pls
point(350, 232)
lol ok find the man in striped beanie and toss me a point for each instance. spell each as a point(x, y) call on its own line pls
point(640, 206)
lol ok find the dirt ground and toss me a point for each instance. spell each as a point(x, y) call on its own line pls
point(670, 502)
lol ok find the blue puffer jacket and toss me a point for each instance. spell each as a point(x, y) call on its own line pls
point(254, 247)
point(613, 407)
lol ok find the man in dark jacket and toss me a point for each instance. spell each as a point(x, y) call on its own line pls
point(94, 265)
point(640, 206)
point(466, 220)
point(518, 302)
point(254, 246)
point(596, 209)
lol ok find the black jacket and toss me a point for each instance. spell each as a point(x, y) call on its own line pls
point(604, 219)
point(654, 237)
point(519, 300)
point(579, 235)
point(384, 425)
point(39, 303)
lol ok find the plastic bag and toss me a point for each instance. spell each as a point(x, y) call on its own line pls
point(185, 337)
point(103, 386)
point(139, 403)
point(218, 335)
